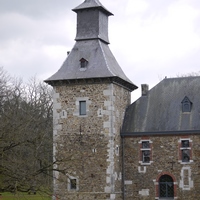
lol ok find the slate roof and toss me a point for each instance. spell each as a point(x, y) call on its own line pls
point(91, 4)
point(101, 63)
point(161, 110)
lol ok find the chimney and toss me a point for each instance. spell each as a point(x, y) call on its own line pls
point(145, 89)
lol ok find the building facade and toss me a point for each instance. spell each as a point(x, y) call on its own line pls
point(161, 137)
point(107, 148)
point(91, 94)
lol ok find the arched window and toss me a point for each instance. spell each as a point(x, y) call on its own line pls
point(166, 187)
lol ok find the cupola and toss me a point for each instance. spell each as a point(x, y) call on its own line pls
point(92, 21)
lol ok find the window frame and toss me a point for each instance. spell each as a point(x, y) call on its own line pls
point(146, 158)
point(166, 184)
point(77, 106)
point(186, 105)
point(71, 188)
point(183, 148)
point(83, 64)
point(157, 186)
point(82, 108)
point(145, 146)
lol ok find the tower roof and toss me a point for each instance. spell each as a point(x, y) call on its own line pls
point(87, 4)
point(100, 64)
point(91, 57)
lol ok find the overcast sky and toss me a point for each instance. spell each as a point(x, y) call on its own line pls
point(151, 39)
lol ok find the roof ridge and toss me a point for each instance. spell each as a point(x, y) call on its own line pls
point(105, 59)
point(182, 77)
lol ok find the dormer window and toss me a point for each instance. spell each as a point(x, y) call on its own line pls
point(83, 64)
point(186, 105)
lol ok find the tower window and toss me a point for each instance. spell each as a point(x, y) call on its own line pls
point(73, 184)
point(83, 63)
point(82, 107)
point(186, 105)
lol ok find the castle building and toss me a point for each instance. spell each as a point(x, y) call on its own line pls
point(161, 141)
point(104, 146)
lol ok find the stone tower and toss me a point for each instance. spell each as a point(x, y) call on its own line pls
point(91, 93)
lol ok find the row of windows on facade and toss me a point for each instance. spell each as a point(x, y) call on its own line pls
point(82, 109)
point(186, 106)
point(146, 151)
point(166, 186)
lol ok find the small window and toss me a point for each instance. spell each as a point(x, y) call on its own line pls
point(185, 155)
point(145, 144)
point(73, 184)
point(186, 105)
point(185, 151)
point(145, 152)
point(117, 150)
point(82, 107)
point(185, 143)
point(83, 63)
point(146, 156)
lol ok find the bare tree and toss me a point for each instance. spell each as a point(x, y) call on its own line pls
point(25, 134)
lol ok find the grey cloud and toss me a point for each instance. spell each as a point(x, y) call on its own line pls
point(37, 8)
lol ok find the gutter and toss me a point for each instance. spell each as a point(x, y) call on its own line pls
point(160, 133)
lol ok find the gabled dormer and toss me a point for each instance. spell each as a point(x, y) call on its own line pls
point(186, 104)
point(83, 64)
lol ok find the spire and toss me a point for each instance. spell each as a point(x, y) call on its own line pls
point(92, 21)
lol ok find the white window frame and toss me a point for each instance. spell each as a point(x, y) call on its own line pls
point(141, 161)
point(184, 148)
point(82, 108)
point(70, 189)
point(77, 109)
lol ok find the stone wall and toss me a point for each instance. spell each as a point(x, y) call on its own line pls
point(87, 148)
point(142, 180)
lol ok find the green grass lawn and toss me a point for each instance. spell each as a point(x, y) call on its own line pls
point(24, 196)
